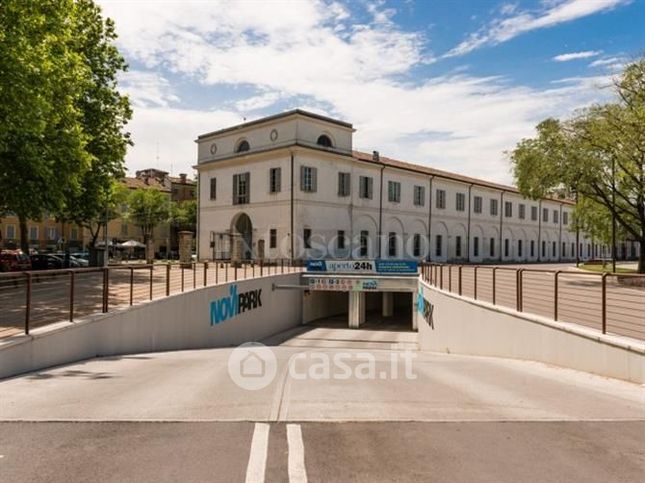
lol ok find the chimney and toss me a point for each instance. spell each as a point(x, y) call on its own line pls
point(182, 177)
point(375, 156)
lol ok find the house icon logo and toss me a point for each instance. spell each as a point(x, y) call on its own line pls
point(252, 366)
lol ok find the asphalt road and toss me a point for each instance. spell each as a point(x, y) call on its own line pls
point(358, 452)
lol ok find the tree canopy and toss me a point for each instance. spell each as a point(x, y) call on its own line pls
point(598, 156)
point(148, 208)
point(62, 119)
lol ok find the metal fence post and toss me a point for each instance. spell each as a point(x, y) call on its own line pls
point(106, 289)
point(131, 284)
point(235, 272)
point(518, 289)
point(459, 271)
point(152, 268)
point(71, 295)
point(449, 278)
point(261, 266)
point(194, 275)
point(28, 304)
point(604, 303)
point(226, 271)
point(245, 267)
point(205, 273)
point(555, 294)
point(167, 279)
point(494, 282)
point(475, 283)
point(182, 277)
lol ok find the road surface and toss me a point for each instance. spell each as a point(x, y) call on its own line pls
point(178, 416)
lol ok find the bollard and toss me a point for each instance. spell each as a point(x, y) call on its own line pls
point(205, 273)
point(131, 285)
point(167, 279)
point(71, 295)
point(152, 268)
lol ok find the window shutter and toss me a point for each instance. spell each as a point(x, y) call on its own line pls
point(369, 188)
point(314, 179)
point(302, 178)
point(278, 177)
point(235, 184)
point(248, 187)
point(213, 188)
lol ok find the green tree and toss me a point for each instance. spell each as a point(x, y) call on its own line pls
point(42, 79)
point(61, 117)
point(105, 113)
point(184, 215)
point(148, 208)
point(599, 156)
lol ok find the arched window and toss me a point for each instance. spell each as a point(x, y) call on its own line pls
point(243, 146)
point(324, 140)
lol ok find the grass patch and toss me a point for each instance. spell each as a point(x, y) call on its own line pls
point(597, 267)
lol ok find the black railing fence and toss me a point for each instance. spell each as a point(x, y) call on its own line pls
point(611, 303)
point(35, 298)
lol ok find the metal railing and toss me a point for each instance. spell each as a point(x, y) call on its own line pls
point(611, 303)
point(36, 298)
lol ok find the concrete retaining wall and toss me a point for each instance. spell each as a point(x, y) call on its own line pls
point(466, 326)
point(181, 321)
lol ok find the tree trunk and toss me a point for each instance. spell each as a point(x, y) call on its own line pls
point(24, 240)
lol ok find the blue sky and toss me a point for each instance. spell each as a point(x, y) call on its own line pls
point(450, 84)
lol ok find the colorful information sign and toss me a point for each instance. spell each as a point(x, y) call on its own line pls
point(340, 284)
point(380, 267)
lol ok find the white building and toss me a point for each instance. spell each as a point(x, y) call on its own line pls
point(291, 186)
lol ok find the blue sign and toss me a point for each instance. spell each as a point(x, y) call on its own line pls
point(381, 267)
point(230, 306)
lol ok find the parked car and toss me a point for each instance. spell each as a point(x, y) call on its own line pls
point(82, 255)
point(14, 261)
point(46, 261)
point(74, 261)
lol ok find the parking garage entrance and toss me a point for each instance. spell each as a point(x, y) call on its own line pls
point(366, 294)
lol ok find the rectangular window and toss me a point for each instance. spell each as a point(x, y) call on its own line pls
point(492, 247)
point(11, 232)
point(506, 247)
point(213, 193)
point(543, 248)
point(565, 218)
point(493, 207)
point(573, 249)
point(344, 180)
point(564, 249)
point(52, 233)
point(364, 239)
point(545, 215)
point(477, 204)
point(438, 245)
point(74, 234)
point(241, 188)
point(394, 191)
point(391, 244)
point(521, 214)
point(555, 216)
point(273, 238)
point(458, 246)
point(534, 213)
point(275, 180)
point(365, 187)
point(554, 247)
point(532, 248)
point(419, 196)
point(33, 233)
point(508, 209)
point(416, 245)
point(308, 179)
point(460, 202)
point(519, 248)
point(441, 199)
point(340, 240)
point(306, 236)
point(476, 246)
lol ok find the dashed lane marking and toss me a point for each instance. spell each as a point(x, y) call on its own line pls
point(297, 470)
point(258, 455)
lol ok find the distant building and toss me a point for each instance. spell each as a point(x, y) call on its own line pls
point(291, 185)
point(45, 235)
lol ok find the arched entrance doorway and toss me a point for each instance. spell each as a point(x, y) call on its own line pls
point(242, 237)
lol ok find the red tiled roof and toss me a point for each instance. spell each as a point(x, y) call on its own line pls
point(136, 183)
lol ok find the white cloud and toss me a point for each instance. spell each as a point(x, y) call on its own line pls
point(516, 22)
point(147, 88)
point(610, 64)
point(310, 55)
point(585, 54)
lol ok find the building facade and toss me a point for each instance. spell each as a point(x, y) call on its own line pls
point(291, 186)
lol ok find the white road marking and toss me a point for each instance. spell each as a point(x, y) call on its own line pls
point(297, 470)
point(258, 455)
